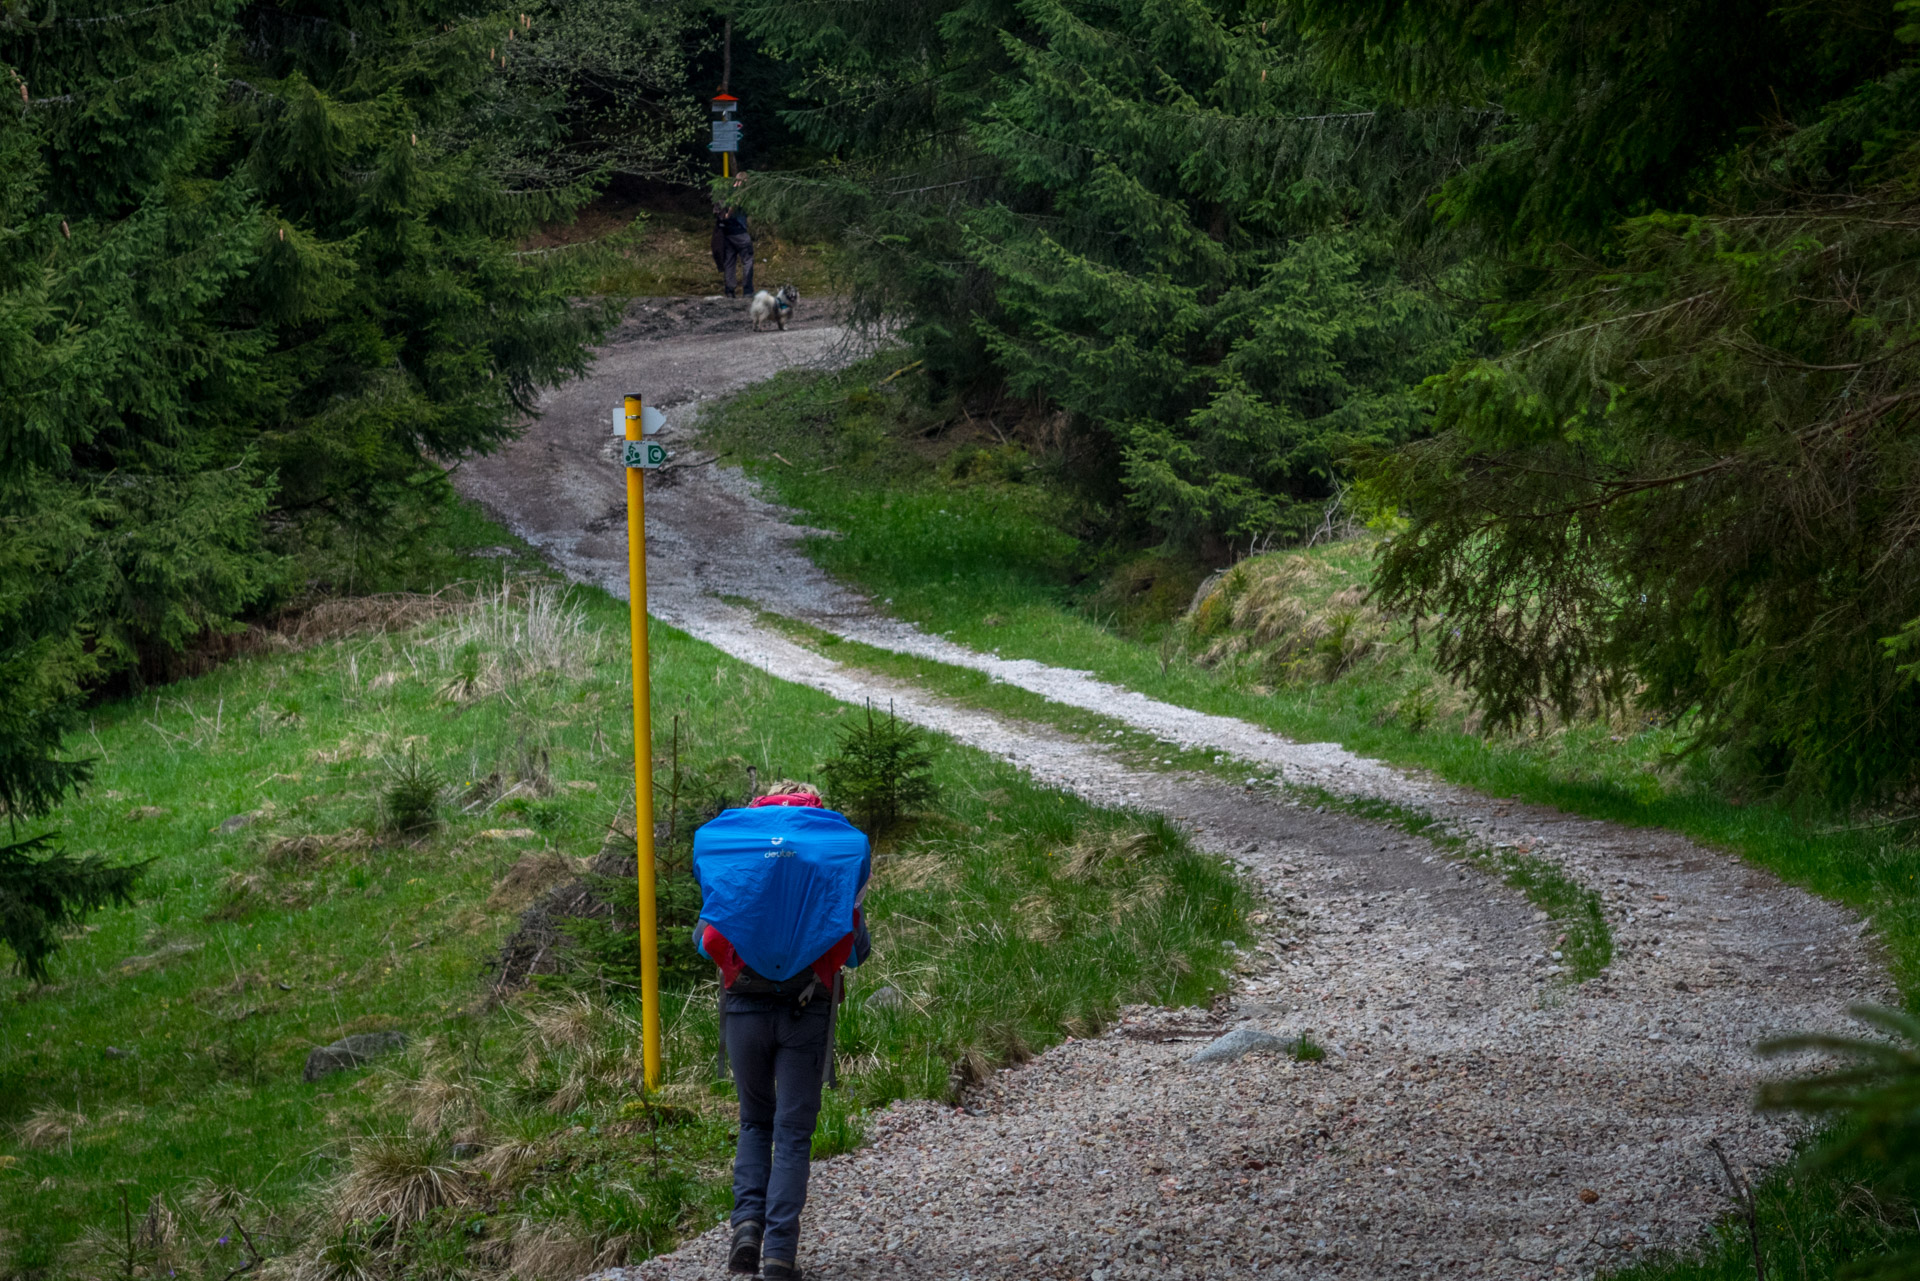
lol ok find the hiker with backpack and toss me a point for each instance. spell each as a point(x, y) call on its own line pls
point(733, 248)
point(781, 884)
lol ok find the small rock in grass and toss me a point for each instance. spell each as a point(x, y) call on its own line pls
point(350, 1052)
point(886, 998)
point(1240, 1042)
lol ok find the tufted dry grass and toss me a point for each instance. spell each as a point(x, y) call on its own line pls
point(402, 1177)
point(49, 1128)
point(1296, 618)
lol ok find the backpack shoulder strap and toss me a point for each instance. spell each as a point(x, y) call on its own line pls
point(834, 997)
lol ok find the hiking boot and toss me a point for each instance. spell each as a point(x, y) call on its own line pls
point(745, 1255)
point(779, 1270)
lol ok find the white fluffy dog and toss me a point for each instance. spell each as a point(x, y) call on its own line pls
point(774, 307)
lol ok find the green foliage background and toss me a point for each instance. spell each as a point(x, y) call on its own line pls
point(1154, 222)
point(1688, 478)
point(258, 282)
point(1609, 307)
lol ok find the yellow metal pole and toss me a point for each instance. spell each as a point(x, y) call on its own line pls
point(726, 164)
point(642, 755)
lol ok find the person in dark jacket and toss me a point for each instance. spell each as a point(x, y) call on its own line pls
point(779, 1047)
point(733, 248)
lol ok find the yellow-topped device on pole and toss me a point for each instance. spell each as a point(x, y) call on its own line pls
point(639, 456)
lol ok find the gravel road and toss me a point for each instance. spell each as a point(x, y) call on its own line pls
point(1476, 1115)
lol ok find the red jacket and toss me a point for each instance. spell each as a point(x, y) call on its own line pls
point(721, 953)
point(805, 799)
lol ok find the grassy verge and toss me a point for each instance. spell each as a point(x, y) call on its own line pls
point(163, 1064)
point(1586, 946)
point(1820, 1223)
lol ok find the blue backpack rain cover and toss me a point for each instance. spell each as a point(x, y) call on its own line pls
point(780, 882)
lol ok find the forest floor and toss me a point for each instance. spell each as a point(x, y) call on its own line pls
point(1534, 1022)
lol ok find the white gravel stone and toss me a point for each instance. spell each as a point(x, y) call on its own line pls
point(1239, 1043)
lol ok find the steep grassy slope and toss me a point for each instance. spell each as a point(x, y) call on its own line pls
point(286, 907)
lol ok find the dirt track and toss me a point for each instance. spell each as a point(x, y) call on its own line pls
point(1476, 1100)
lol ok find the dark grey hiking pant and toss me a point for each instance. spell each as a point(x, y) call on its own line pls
point(739, 252)
point(779, 1055)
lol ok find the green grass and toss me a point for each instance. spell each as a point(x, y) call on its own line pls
point(164, 1058)
point(1813, 1223)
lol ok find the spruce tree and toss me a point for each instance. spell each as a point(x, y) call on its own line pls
point(124, 522)
point(1153, 215)
point(1691, 479)
point(259, 282)
point(1606, 109)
